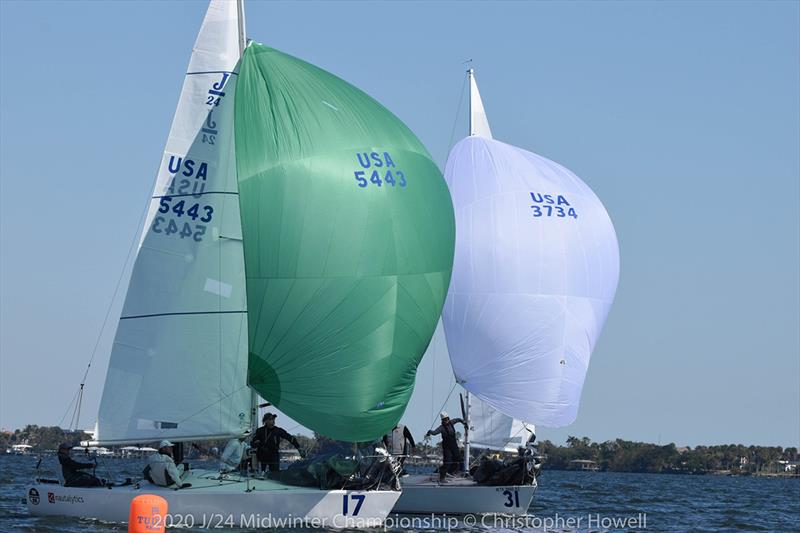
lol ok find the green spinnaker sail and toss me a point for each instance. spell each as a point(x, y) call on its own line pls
point(348, 234)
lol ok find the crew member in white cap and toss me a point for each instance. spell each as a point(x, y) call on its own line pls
point(161, 469)
point(231, 457)
point(451, 454)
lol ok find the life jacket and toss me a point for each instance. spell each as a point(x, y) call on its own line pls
point(397, 440)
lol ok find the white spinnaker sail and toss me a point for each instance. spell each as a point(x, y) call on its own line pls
point(178, 364)
point(490, 428)
point(494, 430)
point(535, 272)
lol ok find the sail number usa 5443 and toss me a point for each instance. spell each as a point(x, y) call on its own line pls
point(380, 170)
point(181, 218)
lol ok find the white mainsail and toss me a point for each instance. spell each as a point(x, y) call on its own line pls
point(178, 364)
point(478, 121)
point(535, 272)
point(493, 430)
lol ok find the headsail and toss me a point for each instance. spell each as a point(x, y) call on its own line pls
point(348, 233)
point(534, 276)
point(179, 360)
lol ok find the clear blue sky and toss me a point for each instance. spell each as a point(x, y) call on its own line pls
point(684, 117)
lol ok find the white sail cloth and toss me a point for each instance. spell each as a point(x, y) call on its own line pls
point(478, 121)
point(489, 428)
point(535, 272)
point(494, 430)
point(178, 364)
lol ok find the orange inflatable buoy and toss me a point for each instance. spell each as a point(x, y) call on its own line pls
point(148, 514)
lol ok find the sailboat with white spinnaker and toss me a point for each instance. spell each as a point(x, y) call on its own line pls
point(535, 272)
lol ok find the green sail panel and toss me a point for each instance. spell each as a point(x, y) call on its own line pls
point(348, 232)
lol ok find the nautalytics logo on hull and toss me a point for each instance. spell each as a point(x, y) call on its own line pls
point(57, 498)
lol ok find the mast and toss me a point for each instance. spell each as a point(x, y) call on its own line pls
point(474, 104)
point(242, 34)
point(466, 434)
point(242, 44)
point(471, 76)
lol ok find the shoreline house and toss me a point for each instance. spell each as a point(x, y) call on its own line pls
point(20, 449)
point(583, 464)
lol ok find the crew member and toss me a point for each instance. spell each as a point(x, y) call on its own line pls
point(161, 469)
point(267, 442)
point(397, 442)
point(231, 457)
point(71, 469)
point(451, 454)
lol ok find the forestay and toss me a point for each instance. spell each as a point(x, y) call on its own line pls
point(534, 276)
point(179, 359)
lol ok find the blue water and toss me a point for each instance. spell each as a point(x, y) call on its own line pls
point(565, 502)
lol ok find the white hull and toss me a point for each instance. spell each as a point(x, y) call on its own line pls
point(212, 502)
point(424, 494)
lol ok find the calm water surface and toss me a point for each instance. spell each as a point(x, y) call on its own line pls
point(670, 503)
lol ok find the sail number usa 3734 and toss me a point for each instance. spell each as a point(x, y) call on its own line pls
point(551, 205)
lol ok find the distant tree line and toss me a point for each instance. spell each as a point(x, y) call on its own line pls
point(627, 456)
point(42, 438)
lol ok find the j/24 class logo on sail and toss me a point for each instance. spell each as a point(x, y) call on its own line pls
point(551, 205)
point(380, 170)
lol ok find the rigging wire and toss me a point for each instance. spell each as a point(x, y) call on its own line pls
point(443, 404)
point(449, 146)
point(78, 409)
point(68, 409)
point(455, 121)
point(136, 236)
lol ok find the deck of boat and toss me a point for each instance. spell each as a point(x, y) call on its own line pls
point(210, 480)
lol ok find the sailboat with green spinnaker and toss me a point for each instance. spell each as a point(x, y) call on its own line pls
point(298, 245)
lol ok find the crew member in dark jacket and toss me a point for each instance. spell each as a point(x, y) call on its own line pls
point(451, 454)
point(71, 470)
point(267, 442)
